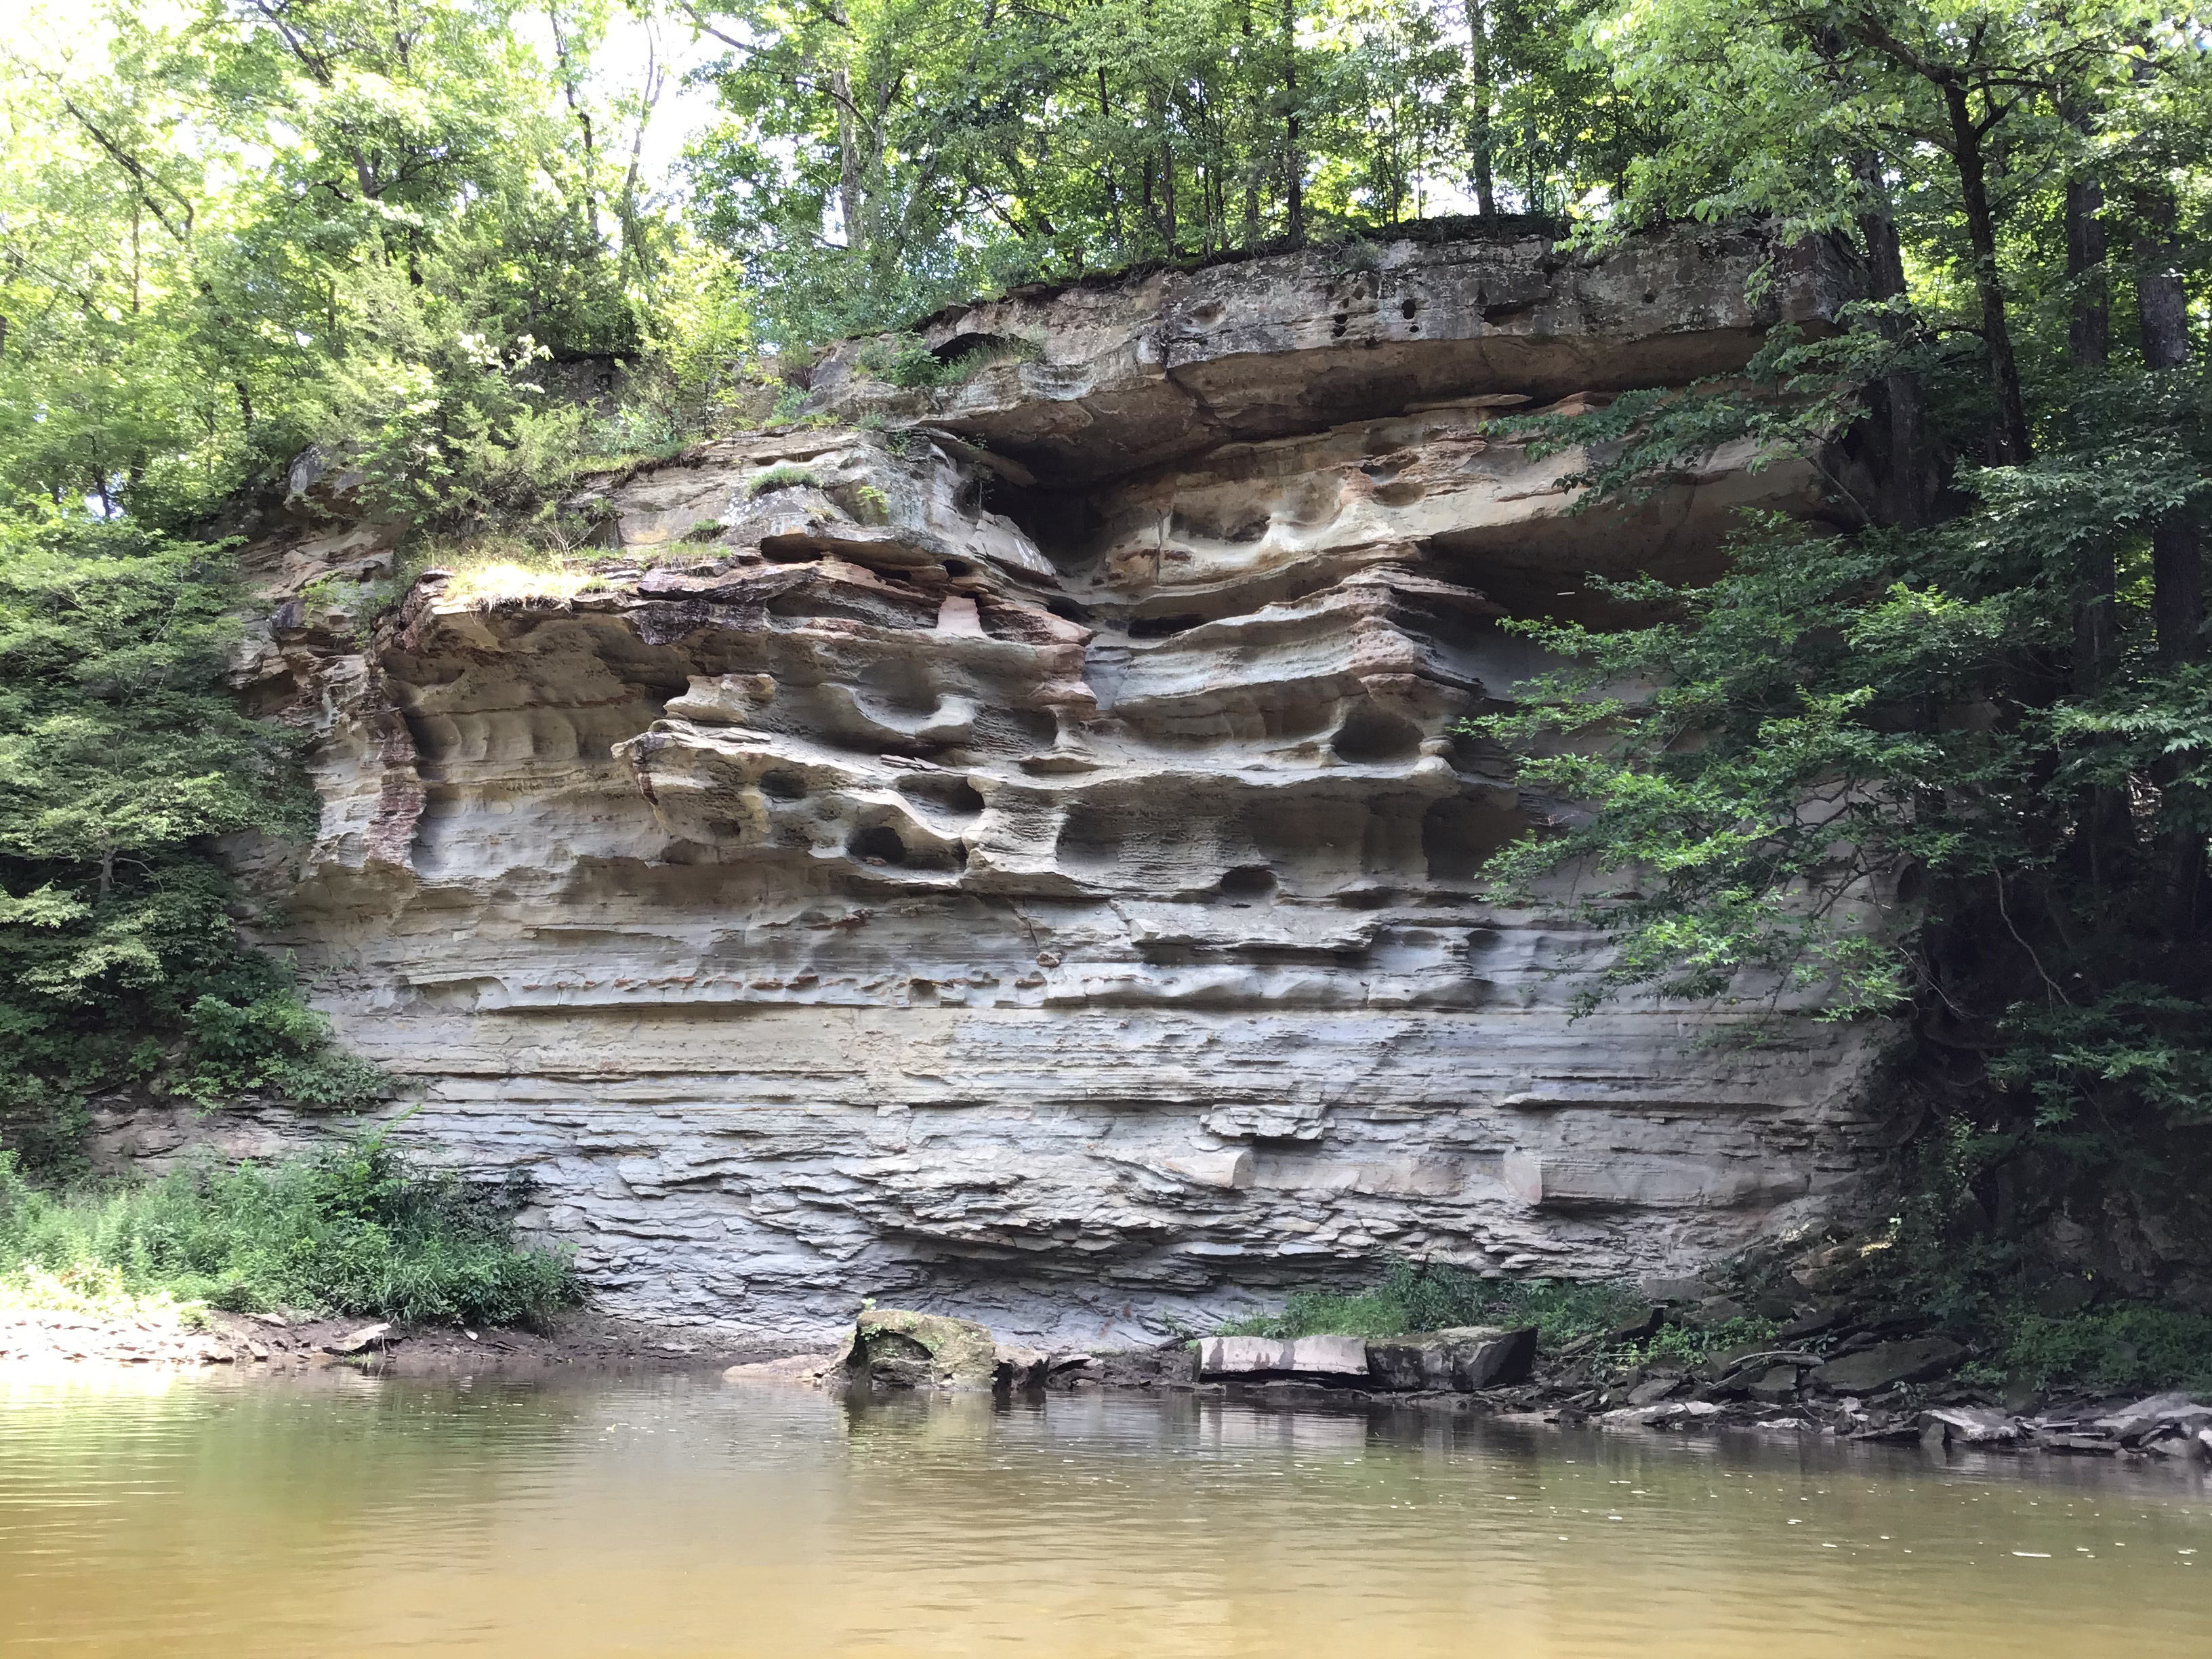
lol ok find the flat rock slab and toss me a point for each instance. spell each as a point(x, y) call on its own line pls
point(1889, 1363)
point(1339, 1358)
point(803, 1370)
point(1968, 1425)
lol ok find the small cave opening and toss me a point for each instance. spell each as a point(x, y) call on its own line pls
point(1161, 628)
point(877, 841)
point(1246, 882)
point(1372, 736)
point(947, 792)
point(783, 786)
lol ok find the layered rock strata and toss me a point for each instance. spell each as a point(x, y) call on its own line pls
point(1005, 849)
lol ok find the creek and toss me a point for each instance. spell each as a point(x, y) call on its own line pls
point(671, 1515)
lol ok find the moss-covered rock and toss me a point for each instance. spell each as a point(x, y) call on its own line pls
point(898, 1349)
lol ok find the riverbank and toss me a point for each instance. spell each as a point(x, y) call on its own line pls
point(1869, 1402)
point(276, 1344)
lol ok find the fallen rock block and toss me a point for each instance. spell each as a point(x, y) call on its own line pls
point(894, 1348)
point(1776, 1386)
point(1243, 1356)
point(1887, 1364)
point(359, 1341)
point(1966, 1426)
point(1641, 1327)
point(2132, 1423)
point(1462, 1358)
point(1331, 1358)
point(1342, 1358)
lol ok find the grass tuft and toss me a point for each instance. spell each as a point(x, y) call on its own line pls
point(784, 475)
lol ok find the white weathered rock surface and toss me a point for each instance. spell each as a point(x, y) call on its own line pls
point(1024, 868)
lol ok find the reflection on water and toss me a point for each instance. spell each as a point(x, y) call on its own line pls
point(682, 1517)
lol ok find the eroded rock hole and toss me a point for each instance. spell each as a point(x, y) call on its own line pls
point(1458, 836)
point(1159, 627)
point(1339, 324)
point(1370, 737)
point(957, 568)
point(877, 841)
point(1251, 528)
point(783, 786)
point(944, 791)
point(1089, 838)
point(1407, 306)
point(1248, 881)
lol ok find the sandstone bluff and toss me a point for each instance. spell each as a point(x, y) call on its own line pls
point(1004, 848)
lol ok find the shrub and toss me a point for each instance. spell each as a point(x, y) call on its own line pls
point(905, 359)
point(356, 1231)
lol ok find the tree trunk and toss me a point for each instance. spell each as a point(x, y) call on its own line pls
point(2177, 546)
point(2010, 445)
point(850, 185)
point(1113, 195)
point(2089, 330)
point(2089, 337)
point(1909, 477)
point(1294, 180)
point(1479, 138)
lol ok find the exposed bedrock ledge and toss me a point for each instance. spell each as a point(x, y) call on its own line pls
point(1036, 881)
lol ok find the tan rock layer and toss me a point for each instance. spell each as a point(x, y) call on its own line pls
point(1021, 861)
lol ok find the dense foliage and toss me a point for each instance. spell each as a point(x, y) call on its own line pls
point(879, 159)
point(357, 1232)
point(229, 234)
point(122, 757)
point(1945, 758)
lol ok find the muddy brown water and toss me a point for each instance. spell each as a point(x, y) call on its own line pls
point(682, 1516)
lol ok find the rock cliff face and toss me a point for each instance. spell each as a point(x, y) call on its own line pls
point(1004, 848)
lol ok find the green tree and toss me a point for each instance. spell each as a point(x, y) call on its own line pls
point(1944, 759)
point(226, 233)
